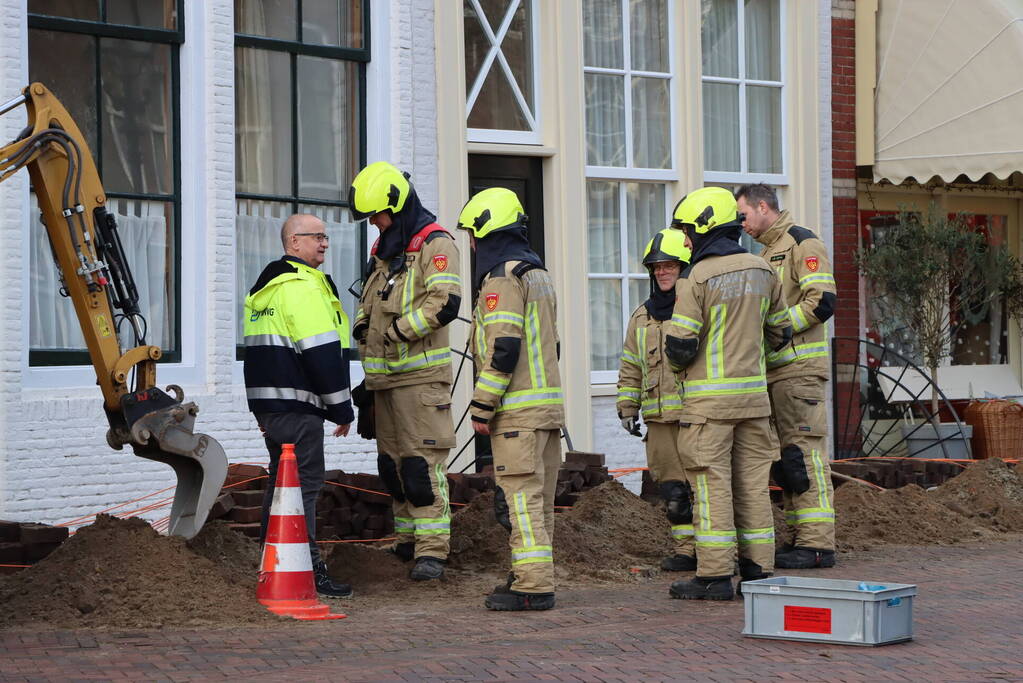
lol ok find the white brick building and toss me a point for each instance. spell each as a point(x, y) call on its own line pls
point(400, 86)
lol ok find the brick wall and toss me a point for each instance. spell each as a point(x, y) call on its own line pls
point(846, 223)
point(54, 461)
point(843, 155)
point(620, 448)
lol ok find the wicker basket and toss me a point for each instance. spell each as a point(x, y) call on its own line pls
point(997, 429)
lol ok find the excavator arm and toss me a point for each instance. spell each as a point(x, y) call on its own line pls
point(95, 275)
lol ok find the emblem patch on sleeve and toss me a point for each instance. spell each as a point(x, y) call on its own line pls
point(440, 262)
point(491, 300)
point(812, 264)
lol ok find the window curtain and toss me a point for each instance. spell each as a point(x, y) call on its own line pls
point(145, 230)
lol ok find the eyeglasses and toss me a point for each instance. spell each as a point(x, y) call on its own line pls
point(318, 236)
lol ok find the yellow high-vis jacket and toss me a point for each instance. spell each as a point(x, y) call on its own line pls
point(296, 344)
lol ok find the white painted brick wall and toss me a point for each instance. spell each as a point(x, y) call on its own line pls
point(13, 195)
point(619, 448)
point(54, 461)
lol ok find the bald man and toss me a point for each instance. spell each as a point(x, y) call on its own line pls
point(296, 368)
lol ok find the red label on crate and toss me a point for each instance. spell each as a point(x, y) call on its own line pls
point(807, 619)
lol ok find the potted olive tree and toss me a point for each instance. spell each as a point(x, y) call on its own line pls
point(929, 275)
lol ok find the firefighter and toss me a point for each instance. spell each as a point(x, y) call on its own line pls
point(728, 307)
point(410, 295)
point(796, 377)
point(517, 399)
point(646, 385)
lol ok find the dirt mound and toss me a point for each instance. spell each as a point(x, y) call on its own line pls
point(371, 570)
point(989, 492)
point(120, 573)
point(609, 530)
point(867, 518)
point(477, 540)
point(606, 532)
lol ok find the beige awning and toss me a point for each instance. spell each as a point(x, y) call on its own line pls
point(949, 89)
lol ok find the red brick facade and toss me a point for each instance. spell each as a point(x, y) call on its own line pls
point(846, 223)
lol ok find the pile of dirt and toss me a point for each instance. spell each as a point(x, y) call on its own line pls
point(989, 493)
point(608, 531)
point(867, 518)
point(120, 573)
point(477, 540)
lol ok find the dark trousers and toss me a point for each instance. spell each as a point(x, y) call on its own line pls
point(306, 432)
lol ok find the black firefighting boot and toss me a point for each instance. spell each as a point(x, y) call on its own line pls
point(679, 563)
point(506, 600)
point(403, 551)
point(704, 588)
point(750, 571)
point(325, 586)
point(427, 568)
point(805, 558)
point(506, 586)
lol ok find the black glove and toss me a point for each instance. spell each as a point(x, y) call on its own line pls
point(363, 400)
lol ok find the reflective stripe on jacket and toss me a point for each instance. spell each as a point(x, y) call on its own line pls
point(515, 350)
point(646, 383)
point(808, 286)
point(296, 344)
point(730, 306)
point(407, 313)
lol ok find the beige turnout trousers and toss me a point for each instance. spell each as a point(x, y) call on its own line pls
point(728, 463)
point(665, 463)
point(414, 432)
point(526, 464)
point(799, 414)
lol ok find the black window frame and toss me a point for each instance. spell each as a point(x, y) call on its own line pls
point(174, 38)
point(295, 49)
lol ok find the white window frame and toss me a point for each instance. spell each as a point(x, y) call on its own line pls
point(534, 136)
point(628, 171)
point(743, 176)
point(623, 275)
point(633, 174)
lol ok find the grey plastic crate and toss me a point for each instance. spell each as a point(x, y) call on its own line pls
point(829, 610)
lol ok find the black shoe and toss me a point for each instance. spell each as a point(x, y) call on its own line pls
point(427, 568)
point(679, 563)
point(805, 558)
point(750, 571)
point(704, 588)
point(512, 601)
point(326, 587)
point(403, 551)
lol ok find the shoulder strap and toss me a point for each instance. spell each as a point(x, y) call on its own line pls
point(523, 268)
point(420, 238)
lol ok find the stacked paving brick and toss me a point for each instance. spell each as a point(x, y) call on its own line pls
point(356, 506)
point(24, 543)
point(896, 473)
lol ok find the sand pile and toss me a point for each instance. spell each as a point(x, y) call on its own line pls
point(119, 573)
point(989, 493)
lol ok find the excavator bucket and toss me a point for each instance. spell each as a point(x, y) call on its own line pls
point(166, 435)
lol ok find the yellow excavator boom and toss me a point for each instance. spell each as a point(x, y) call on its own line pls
point(95, 275)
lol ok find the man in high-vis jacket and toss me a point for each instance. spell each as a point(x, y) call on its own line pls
point(728, 307)
point(646, 386)
point(410, 295)
point(296, 368)
point(517, 399)
point(796, 376)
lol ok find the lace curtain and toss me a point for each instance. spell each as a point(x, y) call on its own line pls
point(146, 234)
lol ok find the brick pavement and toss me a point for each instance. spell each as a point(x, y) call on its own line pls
point(967, 625)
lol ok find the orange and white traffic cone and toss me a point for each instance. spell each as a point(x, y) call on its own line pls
point(286, 585)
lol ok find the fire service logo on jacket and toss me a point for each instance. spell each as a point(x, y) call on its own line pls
point(440, 262)
point(812, 264)
point(491, 301)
